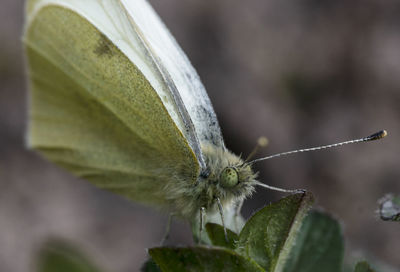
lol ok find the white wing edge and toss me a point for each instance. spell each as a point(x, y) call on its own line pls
point(174, 65)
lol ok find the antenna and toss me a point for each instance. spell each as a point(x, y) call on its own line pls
point(376, 136)
point(261, 142)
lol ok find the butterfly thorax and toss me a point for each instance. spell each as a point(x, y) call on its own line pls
point(226, 178)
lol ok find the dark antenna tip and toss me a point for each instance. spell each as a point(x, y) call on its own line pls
point(377, 136)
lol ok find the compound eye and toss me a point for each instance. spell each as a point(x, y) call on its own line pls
point(229, 177)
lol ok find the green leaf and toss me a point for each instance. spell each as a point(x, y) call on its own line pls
point(150, 266)
point(319, 246)
point(201, 259)
point(216, 234)
point(363, 267)
point(233, 221)
point(269, 234)
point(60, 257)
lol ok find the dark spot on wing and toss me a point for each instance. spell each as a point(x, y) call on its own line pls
point(204, 113)
point(104, 46)
point(190, 77)
point(206, 116)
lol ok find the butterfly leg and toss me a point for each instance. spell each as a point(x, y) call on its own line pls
point(238, 208)
point(202, 214)
point(168, 229)
point(221, 212)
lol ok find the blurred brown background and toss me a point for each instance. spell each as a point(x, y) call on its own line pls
point(302, 73)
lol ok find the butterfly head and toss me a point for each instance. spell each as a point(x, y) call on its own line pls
point(227, 177)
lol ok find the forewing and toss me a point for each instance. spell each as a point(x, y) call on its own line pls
point(95, 112)
point(177, 71)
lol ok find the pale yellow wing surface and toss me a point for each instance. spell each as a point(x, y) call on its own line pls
point(93, 112)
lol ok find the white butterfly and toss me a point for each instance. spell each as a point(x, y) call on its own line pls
point(116, 101)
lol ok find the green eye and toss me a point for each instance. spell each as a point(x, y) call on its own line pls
point(229, 177)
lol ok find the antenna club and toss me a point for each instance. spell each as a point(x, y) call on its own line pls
point(262, 141)
point(377, 136)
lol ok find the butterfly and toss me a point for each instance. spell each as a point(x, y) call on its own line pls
point(116, 101)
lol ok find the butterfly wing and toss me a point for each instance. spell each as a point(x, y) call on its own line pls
point(99, 107)
point(177, 71)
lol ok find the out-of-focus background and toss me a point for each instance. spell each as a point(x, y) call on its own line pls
point(302, 73)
